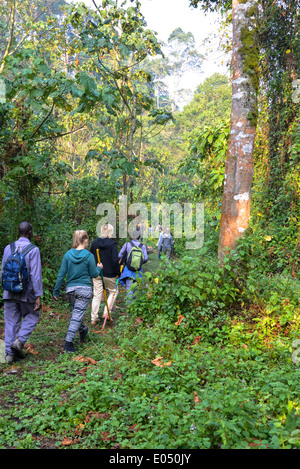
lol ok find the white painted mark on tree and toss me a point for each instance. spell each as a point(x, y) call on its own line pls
point(242, 197)
point(247, 148)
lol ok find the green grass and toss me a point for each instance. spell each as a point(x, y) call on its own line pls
point(153, 263)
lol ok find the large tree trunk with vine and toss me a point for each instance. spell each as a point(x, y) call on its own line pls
point(239, 163)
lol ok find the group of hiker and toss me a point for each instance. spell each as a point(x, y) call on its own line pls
point(89, 274)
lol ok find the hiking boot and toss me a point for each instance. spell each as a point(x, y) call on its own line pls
point(17, 347)
point(9, 359)
point(83, 333)
point(69, 347)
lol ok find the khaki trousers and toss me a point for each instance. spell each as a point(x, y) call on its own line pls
point(98, 295)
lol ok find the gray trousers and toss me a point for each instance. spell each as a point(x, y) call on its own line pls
point(167, 252)
point(79, 299)
point(20, 320)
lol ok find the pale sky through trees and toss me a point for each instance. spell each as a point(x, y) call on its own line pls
point(163, 16)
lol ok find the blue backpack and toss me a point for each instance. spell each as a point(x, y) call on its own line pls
point(14, 274)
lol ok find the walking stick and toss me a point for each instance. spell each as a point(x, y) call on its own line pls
point(114, 295)
point(104, 291)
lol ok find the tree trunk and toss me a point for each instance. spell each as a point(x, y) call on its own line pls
point(239, 163)
point(127, 179)
point(11, 34)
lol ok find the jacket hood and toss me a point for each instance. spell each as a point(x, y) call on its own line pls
point(105, 243)
point(78, 255)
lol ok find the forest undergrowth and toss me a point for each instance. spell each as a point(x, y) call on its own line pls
point(189, 364)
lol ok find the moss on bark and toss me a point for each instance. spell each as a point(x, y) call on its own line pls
point(250, 55)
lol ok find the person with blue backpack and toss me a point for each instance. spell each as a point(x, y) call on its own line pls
point(132, 255)
point(22, 283)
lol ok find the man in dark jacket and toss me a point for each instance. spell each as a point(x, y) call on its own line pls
point(108, 251)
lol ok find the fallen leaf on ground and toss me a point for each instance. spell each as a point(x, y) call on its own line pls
point(66, 442)
point(197, 339)
point(196, 398)
point(157, 362)
point(180, 318)
point(107, 437)
point(96, 415)
point(30, 349)
point(135, 427)
point(80, 358)
point(138, 320)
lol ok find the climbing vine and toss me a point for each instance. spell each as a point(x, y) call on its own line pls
point(280, 60)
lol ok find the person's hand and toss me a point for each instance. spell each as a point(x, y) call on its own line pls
point(56, 298)
point(37, 303)
point(100, 265)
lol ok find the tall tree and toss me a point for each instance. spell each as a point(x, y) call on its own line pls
point(111, 48)
point(182, 57)
point(239, 163)
point(245, 83)
point(36, 89)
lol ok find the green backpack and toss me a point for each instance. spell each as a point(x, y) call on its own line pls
point(135, 257)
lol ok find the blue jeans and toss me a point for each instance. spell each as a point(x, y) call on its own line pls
point(79, 299)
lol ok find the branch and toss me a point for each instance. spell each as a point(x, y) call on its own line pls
point(97, 8)
point(61, 135)
point(46, 118)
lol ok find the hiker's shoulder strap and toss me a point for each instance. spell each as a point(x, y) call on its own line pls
point(132, 244)
point(127, 249)
point(28, 248)
point(25, 251)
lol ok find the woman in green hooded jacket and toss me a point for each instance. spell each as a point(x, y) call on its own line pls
point(79, 266)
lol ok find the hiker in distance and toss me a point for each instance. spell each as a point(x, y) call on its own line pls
point(108, 253)
point(21, 273)
point(165, 243)
point(141, 228)
point(133, 255)
point(79, 266)
point(159, 230)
